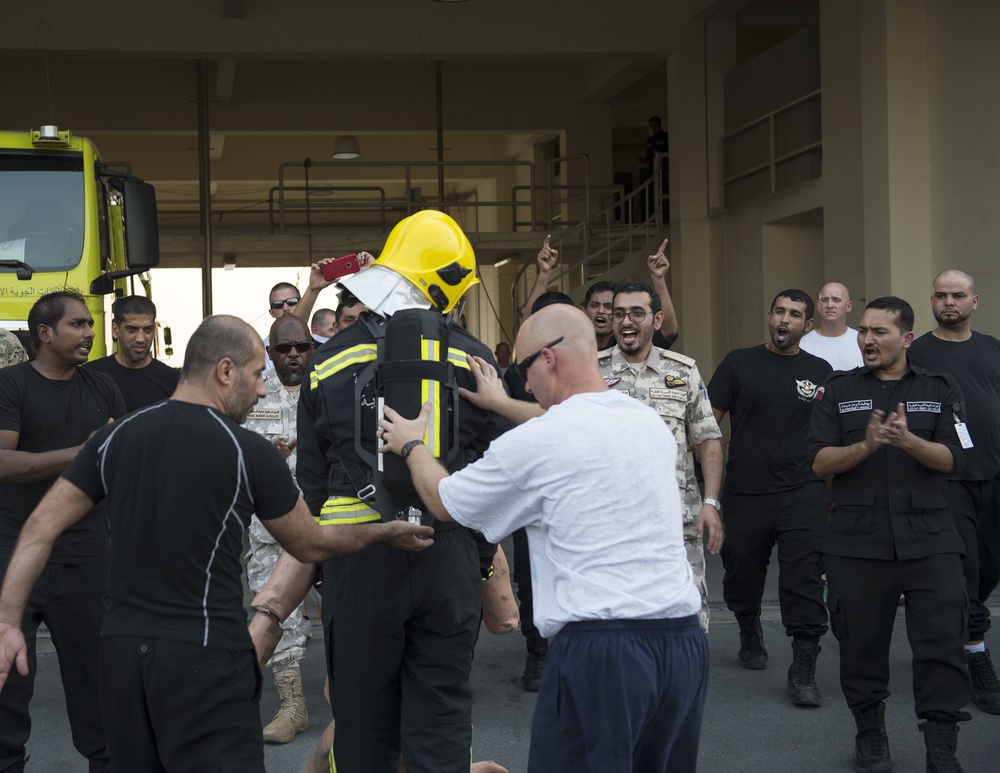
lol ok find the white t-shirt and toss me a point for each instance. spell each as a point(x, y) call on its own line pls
point(842, 352)
point(604, 524)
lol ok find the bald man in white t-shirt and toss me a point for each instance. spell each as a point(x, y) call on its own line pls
point(832, 339)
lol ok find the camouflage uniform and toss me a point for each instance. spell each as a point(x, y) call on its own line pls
point(274, 417)
point(11, 351)
point(671, 384)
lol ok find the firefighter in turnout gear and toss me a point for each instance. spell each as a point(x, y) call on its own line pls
point(400, 629)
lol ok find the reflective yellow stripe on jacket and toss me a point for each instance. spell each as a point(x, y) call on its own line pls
point(345, 359)
point(341, 510)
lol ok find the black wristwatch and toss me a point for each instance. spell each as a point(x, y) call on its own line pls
point(407, 447)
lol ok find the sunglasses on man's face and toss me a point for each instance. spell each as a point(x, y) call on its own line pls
point(301, 347)
point(527, 362)
point(290, 302)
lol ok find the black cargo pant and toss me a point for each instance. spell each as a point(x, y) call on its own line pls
point(976, 505)
point(522, 577)
point(796, 521)
point(399, 641)
point(69, 599)
point(864, 599)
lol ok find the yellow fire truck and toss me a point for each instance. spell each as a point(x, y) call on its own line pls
point(68, 221)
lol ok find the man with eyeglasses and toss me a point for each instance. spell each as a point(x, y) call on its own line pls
point(275, 416)
point(627, 670)
point(771, 494)
point(671, 384)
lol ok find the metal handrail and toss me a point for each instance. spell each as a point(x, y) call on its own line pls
point(617, 239)
point(359, 205)
point(773, 160)
point(407, 167)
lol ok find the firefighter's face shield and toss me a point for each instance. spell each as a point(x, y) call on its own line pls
point(384, 291)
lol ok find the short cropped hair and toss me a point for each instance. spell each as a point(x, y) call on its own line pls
point(641, 287)
point(283, 286)
point(346, 301)
point(48, 310)
point(320, 317)
point(216, 338)
point(599, 287)
point(902, 311)
point(799, 296)
point(132, 304)
point(550, 298)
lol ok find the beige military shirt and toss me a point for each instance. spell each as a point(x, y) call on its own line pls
point(274, 417)
point(670, 384)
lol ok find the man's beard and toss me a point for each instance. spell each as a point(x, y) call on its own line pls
point(958, 319)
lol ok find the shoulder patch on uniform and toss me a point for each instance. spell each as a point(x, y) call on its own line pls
point(669, 354)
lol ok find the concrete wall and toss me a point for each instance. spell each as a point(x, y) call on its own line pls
point(965, 148)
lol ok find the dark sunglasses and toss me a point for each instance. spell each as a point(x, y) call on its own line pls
point(301, 348)
point(527, 362)
point(290, 302)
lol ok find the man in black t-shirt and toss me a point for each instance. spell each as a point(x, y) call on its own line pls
point(142, 379)
point(180, 684)
point(770, 494)
point(48, 409)
point(973, 358)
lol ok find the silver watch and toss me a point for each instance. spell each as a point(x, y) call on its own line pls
point(713, 502)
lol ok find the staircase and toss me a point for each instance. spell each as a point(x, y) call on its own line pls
point(611, 245)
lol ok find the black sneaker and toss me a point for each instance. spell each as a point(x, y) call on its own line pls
point(985, 685)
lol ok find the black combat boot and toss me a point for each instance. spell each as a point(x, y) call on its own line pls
point(985, 685)
point(802, 673)
point(532, 676)
point(940, 731)
point(752, 653)
point(871, 744)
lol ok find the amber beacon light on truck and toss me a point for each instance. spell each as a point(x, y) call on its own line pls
point(69, 221)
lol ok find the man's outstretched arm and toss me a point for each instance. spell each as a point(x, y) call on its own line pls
point(64, 505)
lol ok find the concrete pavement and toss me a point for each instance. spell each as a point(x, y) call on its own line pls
point(750, 726)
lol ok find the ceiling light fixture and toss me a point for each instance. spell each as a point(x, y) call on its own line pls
point(345, 147)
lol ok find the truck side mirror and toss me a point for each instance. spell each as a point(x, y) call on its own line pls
point(142, 236)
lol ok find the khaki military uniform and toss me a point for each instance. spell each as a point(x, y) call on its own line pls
point(274, 417)
point(11, 351)
point(670, 384)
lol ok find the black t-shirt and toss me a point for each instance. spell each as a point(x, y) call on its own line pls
point(48, 416)
point(975, 365)
point(657, 143)
point(769, 399)
point(179, 483)
point(139, 386)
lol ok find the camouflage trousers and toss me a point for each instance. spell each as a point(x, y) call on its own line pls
point(261, 560)
point(696, 557)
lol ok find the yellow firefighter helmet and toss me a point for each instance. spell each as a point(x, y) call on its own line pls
point(431, 251)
